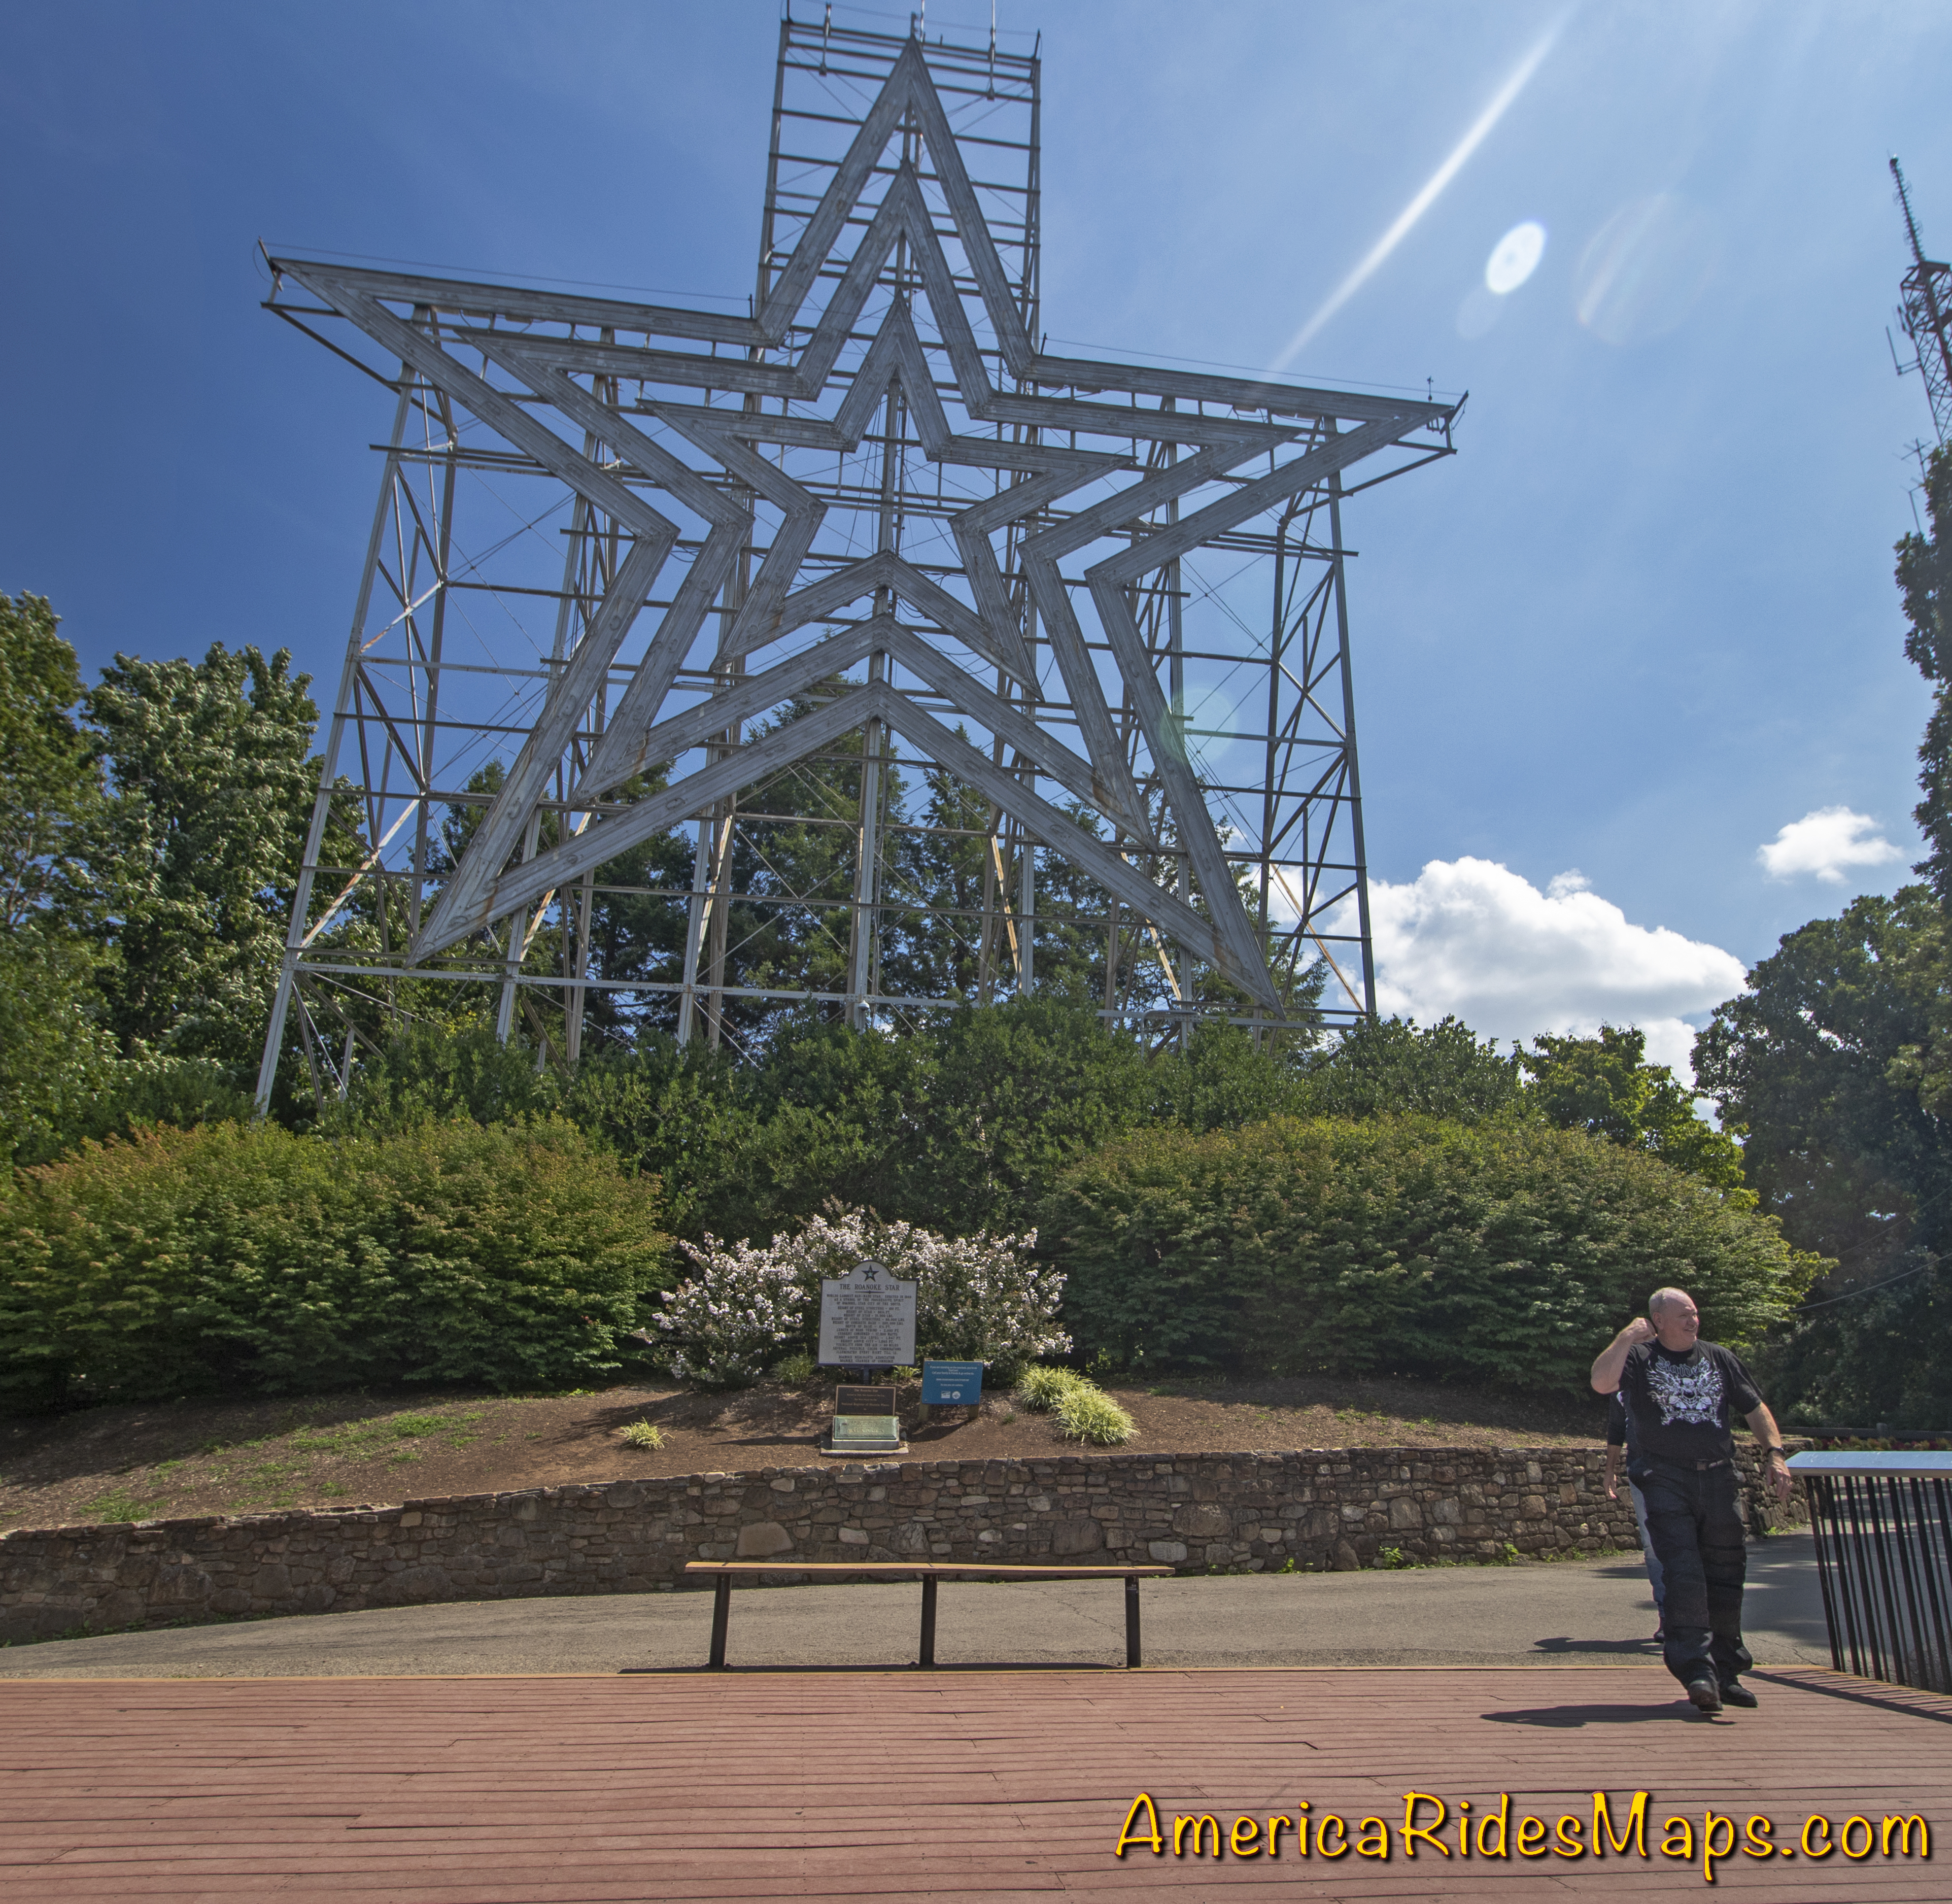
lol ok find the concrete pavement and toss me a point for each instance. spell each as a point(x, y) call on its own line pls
point(1568, 1612)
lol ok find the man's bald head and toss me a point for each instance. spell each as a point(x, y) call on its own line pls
point(1675, 1317)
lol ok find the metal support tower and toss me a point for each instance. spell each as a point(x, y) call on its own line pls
point(1926, 314)
point(842, 649)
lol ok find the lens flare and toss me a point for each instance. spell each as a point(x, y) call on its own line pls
point(1515, 258)
point(1645, 269)
point(1480, 310)
point(1479, 130)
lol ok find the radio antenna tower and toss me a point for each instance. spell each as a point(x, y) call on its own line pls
point(1926, 315)
point(836, 649)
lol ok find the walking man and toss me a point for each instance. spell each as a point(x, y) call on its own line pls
point(1619, 1449)
point(1680, 1394)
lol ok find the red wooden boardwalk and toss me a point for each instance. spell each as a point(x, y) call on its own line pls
point(955, 1784)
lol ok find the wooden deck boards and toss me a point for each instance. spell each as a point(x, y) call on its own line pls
point(929, 1785)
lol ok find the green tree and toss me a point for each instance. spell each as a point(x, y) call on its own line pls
point(49, 786)
point(56, 1059)
point(1836, 1063)
point(195, 858)
point(1925, 586)
point(1020, 1090)
point(1393, 1065)
point(1830, 1063)
point(1818, 1064)
point(57, 1063)
point(1605, 1086)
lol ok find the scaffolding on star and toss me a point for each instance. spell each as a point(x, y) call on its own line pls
point(840, 649)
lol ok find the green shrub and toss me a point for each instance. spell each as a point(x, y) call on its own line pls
point(643, 1434)
point(1504, 1253)
point(1039, 1388)
point(1086, 1413)
point(794, 1369)
point(234, 1256)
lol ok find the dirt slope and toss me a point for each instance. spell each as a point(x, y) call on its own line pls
point(239, 1457)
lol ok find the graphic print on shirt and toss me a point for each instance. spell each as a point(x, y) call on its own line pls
point(1686, 1394)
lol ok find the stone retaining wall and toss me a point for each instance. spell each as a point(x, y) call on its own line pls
point(1316, 1509)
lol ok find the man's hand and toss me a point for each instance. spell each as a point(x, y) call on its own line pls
point(1612, 1358)
point(1775, 1463)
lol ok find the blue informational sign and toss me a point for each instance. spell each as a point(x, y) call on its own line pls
point(952, 1383)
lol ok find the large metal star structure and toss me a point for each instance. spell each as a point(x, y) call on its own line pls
point(871, 504)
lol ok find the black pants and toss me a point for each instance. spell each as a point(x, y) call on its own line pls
point(1694, 1520)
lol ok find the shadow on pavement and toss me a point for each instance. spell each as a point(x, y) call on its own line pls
point(1618, 1648)
point(1892, 1698)
point(1572, 1717)
point(895, 1666)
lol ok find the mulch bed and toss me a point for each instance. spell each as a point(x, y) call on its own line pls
point(149, 1461)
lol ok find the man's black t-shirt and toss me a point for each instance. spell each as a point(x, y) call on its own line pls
point(1682, 1402)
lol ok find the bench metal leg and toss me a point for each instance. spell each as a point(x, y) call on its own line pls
point(928, 1585)
point(1132, 1619)
point(721, 1616)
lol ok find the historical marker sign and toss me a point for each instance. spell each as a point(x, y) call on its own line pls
point(952, 1384)
point(867, 1319)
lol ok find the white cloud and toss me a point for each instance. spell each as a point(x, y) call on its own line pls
point(1825, 842)
point(1470, 937)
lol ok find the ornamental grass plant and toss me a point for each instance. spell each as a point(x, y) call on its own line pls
point(1040, 1389)
point(1083, 1410)
point(1086, 1413)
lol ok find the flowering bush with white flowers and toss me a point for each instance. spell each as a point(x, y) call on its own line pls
point(728, 1322)
point(980, 1298)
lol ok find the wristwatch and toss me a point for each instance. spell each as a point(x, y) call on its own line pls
point(1776, 1450)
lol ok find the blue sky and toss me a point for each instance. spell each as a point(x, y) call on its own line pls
point(1642, 623)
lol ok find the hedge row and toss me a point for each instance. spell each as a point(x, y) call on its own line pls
point(1500, 1253)
point(197, 1262)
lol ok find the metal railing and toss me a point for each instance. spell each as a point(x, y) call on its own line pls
point(1883, 1522)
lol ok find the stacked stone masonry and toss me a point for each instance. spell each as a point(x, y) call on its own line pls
point(1341, 1508)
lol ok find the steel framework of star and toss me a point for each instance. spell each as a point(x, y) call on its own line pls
point(488, 884)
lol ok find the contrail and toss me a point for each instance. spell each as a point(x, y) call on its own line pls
point(1480, 131)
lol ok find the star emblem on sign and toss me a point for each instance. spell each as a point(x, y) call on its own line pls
point(894, 300)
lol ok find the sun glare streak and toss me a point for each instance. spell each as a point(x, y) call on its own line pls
point(1480, 131)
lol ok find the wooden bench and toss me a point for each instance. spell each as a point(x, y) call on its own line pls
point(722, 1573)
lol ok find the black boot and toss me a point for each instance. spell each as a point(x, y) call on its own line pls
point(1706, 1695)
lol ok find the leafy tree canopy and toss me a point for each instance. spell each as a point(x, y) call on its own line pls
point(1836, 1065)
point(49, 785)
point(1925, 586)
point(1605, 1086)
point(212, 780)
point(1394, 1065)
